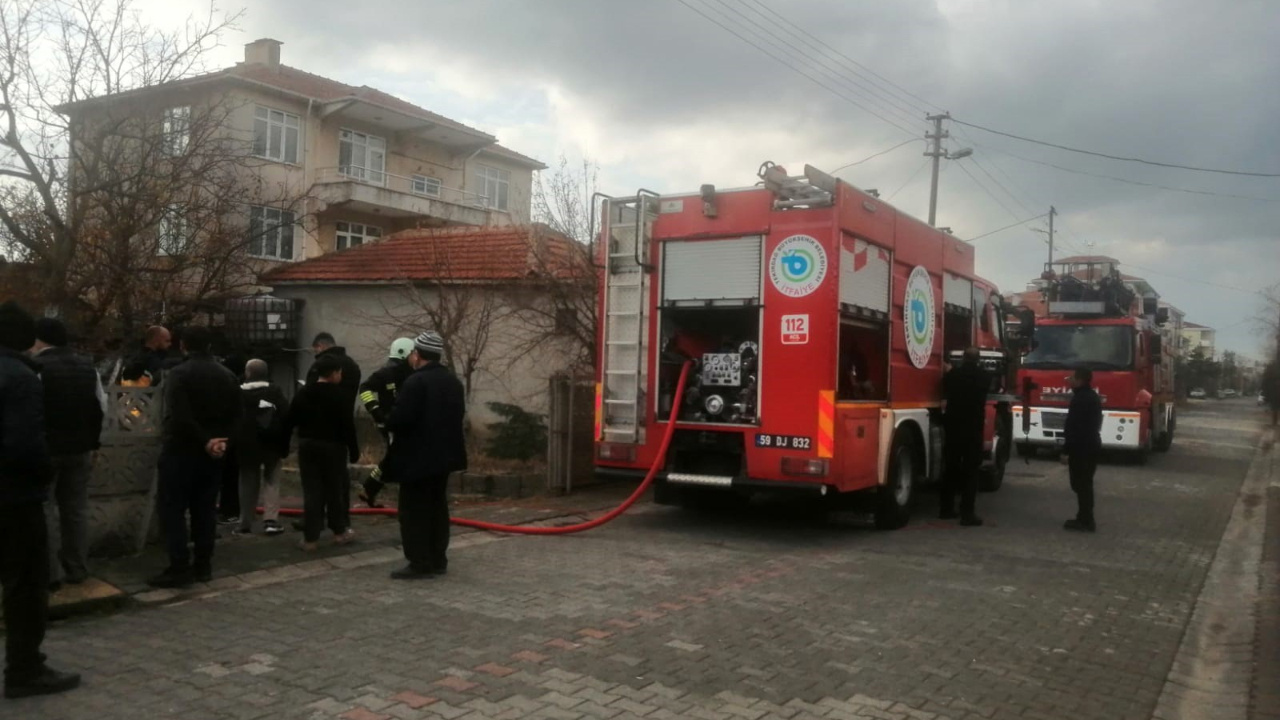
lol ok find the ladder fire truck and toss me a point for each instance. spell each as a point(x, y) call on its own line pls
point(1094, 318)
point(817, 318)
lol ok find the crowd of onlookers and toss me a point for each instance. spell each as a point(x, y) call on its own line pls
point(226, 428)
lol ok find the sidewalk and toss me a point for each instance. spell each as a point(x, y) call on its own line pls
point(1265, 692)
point(241, 562)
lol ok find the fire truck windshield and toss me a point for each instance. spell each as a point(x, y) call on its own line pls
point(1097, 347)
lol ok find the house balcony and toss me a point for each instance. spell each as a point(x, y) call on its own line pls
point(394, 196)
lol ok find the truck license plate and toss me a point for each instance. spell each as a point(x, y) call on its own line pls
point(783, 442)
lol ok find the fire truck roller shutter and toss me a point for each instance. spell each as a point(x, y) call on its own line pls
point(711, 270)
point(864, 275)
point(904, 461)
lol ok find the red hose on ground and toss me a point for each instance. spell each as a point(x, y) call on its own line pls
point(566, 529)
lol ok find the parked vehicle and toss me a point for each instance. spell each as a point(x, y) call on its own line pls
point(1095, 319)
point(1227, 393)
point(1262, 399)
point(1198, 393)
point(818, 319)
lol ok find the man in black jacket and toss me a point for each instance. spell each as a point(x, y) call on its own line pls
point(74, 405)
point(201, 410)
point(152, 361)
point(326, 442)
point(325, 346)
point(378, 395)
point(427, 445)
point(965, 389)
point(25, 471)
point(1082, 444)
point(260, 443)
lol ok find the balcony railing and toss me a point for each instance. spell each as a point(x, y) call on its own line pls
point(418, 187)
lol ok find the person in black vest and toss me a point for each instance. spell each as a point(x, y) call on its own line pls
point(1082, 444)
point(427, 445)
point(260, 443)
point(25, 471)
point(201, 410)
point(965, 389)
point(74, 406)
point(378, 395)
point(326, 441)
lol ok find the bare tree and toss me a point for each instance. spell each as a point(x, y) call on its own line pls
point(563, 280)
point(130, 204)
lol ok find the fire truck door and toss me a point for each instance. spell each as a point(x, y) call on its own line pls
point(857, 445)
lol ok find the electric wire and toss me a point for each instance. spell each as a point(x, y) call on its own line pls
point(1006, 227)
point(1119, 158)
point(908, 182)
point(987, 190)
point(786, 62)
point(872, 157)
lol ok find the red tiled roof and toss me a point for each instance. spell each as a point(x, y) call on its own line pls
point(460, 254)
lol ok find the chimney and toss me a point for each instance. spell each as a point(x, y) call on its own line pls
point(262, 52)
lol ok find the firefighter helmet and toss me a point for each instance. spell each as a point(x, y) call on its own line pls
point(401, 348)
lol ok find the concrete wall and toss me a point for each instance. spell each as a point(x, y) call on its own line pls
point(365, 319)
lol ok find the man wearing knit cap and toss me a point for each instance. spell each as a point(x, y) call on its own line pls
point(427, 446)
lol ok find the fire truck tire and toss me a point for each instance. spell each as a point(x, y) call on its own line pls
point(893, 499)
point(1165, 440)
point(992, 476)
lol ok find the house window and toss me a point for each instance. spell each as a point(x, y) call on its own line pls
point(173, 233)
point(363, 157)
point(493, 184)
point(353, 234)
point(177, 130)
point(271, 233)
point(275, 135)
point(429, 186)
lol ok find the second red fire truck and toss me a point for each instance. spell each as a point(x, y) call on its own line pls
point(817, 319)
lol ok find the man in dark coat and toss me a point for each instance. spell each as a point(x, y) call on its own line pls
point(1082, 444)
point(25, 471)
point(260, 442)
point(378, 395)
point(965, 390)
point(147, 368)
point(427, 446)
point(74, 406)
point(324, 345)
point(201, 410)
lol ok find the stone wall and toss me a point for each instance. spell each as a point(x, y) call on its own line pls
point(123, 485)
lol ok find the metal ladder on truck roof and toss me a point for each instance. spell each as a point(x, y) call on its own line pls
point(628, 230)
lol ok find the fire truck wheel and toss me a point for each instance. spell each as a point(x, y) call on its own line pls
point(893, 500)
point(992, 476)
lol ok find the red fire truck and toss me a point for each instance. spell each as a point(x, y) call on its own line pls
point(1094, 317)
point(817, 318)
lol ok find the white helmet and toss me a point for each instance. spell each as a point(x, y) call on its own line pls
point(401, 348)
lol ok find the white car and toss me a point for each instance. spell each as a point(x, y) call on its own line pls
point(1197, 393)
point(1228, 393)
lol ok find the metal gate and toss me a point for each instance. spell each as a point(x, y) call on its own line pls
point(570, 423)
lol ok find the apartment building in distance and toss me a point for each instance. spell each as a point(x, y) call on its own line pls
point(1199, 336)
point(365, 164)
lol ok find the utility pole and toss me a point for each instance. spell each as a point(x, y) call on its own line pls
point(1052, 212)
point(935, 152)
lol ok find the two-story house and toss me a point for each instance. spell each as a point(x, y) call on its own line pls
point(362, 163)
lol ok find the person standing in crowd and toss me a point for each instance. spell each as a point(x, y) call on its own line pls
point(229, 512)
point(378, 395)
point(326, 429)
point(74, 406)
point(1082, 444)
point(148, 367)
point(427, 445)
point(201, 410)
point(965, 391)
point(325, 346)
point(260, 443)
point(25, 471)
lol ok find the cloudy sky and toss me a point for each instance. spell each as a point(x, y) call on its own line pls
point(659, 96)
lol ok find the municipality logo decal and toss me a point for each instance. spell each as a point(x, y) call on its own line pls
point(917, 316)
point(798, 266)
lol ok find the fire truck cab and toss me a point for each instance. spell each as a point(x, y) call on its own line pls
point(817, 319)
point(1094, 318)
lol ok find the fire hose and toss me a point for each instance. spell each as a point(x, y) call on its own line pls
point(565, 529)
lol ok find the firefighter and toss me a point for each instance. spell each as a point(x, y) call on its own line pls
point(1082, 443)
point(965, 392)
point(378, 395)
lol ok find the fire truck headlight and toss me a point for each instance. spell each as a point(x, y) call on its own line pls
point(714, 404)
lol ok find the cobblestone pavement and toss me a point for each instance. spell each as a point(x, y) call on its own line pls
point(670, 614)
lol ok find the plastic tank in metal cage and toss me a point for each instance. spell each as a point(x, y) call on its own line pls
point(264, 320)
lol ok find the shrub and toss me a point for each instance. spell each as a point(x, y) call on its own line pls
point(520, 435)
